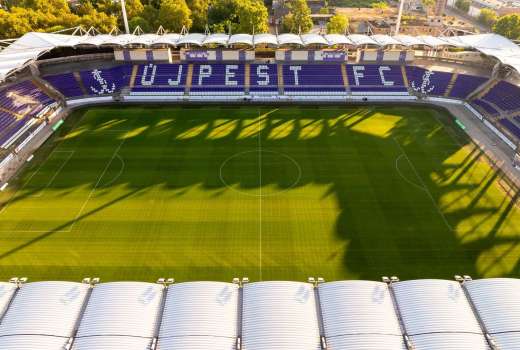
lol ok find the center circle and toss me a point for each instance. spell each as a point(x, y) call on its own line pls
point(260, 173)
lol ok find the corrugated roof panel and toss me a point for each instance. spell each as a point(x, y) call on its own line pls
point(45, 308)
point(352, 307)
point(122, 308)
point(366, 342)
point(429, 305)
point(6, 293)
point(197, 343)
point(280, 315)
point(506, 341)
point(32, 342)
point(449, 341)
point(497, 301)
point(200, 309)
point(112, 343)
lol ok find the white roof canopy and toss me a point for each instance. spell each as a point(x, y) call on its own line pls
point(32, 45)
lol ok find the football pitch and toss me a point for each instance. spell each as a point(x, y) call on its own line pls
point(212, 193)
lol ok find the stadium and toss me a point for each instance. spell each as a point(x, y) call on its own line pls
point(133, 167)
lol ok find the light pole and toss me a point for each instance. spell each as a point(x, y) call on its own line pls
point(125, 18)
point(399, 14)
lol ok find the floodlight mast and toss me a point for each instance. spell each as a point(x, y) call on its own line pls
point(399, 14)
point(125, 18)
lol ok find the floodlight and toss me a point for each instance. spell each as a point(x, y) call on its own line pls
point(385, 279)
point(458, 278)
point(14, 280)
point(161, 280)
point(236, 280)
point(394, 279)
point(467, 278)
point(86, 280)
point(22, 280)
point(321, 280)
point(170, 281)
point(95, 280)
point(245, 280)
point(311, 280)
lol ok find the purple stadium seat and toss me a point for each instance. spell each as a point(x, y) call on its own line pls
point(65, 83)
point(465, 85)
point(509, 125)
point(485, 106)
point(263, 77)
point(106, 81)
point(427, 82)
point(375, 78)
point(313, 77)
point(218, 78)
point(20, 102)
point(505, 96)
point(157, 78)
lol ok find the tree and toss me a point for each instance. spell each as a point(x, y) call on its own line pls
point(133, 8)
point(174, 14)
point(379, 5)
point(151, 14)
point(199, 14)
point(487, 17)
point(508, 26)
point(463, 5)
point(13, 26)
point(140, 22)
point(299, 17)
point(222, 14)
point(338, 24)
point(252, 16)
point(99, 20)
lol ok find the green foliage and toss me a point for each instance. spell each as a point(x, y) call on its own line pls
point(99, 20)
point(141, 22)
point(338, 24)
point(463, 5)
point(508, 26)
point(487, 17)
point(199, 14)
point(175, 14)
point(151, 15)
point(379, 5)
point(238, 15)
point(299, 17)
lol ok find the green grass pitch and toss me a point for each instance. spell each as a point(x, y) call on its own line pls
point(210, 193)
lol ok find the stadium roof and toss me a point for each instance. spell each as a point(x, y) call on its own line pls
point(349, 315)
point(32, 45)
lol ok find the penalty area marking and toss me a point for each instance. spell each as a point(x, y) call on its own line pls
point(423, 185)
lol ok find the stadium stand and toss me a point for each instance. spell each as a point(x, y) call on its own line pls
point(218, 79)
point(66, 84)
point(512, 127)
point(19, 104)
point(160, 79)
point(324, 79)
point(347, 315)
point(380, 79)
point(504, 95)
point(264, 79)
point(106, 81)
point(427, 82)
point(485, 106)
point(465, 85)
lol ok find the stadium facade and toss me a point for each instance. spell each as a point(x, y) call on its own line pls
point(416, 314)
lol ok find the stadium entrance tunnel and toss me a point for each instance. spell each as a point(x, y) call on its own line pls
point(330, 198)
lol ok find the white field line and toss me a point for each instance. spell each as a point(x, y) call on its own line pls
point(80, 212)
point(404, 177)
point(424, 185)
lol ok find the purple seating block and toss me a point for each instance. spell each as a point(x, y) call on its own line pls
point(313, 77)
point(465, 85)
point(161, 78)
point(65, 83)
point(218, 77)
point(427, 82)
point(375, 78)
